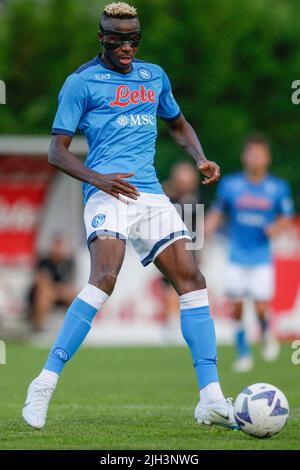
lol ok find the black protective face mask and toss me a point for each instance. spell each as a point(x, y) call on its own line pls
point(114, 39)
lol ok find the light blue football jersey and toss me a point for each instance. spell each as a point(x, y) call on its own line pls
point(117, 113)
point(250, 208)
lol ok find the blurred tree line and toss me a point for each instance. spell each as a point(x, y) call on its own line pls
point(231, 63)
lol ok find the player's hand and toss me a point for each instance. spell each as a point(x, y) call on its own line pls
point(115, 185)
point(210, 170)
point(270, 230)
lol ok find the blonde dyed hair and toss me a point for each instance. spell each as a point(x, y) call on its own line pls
point(120, 9)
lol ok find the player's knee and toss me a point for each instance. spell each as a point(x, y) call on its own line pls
point(198, 280)
point(261, 309)
point(237, 310)
point(191, 282)
point(105, 280)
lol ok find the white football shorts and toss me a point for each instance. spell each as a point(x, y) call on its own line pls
point(151, 222)
point(256, 282)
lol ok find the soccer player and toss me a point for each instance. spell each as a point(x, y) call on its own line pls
point(258, 206)
point(115, 99)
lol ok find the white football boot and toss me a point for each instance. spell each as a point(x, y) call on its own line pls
point(219, 413)
point(271, 348)
point(36, 404)
point(242, 364)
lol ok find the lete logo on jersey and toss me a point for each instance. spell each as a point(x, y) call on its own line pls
point(124, 97)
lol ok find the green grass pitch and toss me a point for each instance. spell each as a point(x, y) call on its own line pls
point(135, 398)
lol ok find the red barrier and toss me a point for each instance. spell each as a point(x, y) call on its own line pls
point(24, 182)
point(287, 284)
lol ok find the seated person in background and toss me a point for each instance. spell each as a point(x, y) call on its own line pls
point(53, 284)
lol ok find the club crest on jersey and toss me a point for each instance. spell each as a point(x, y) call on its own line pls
point(124, 97)
point(145, 74)
point(98, 220)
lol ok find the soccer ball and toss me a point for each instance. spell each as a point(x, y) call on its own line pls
point(261, 410)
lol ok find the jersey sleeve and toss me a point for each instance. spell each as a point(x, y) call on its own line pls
point(72, 102)
point(168, 108)
point(221, 201)
point(285, 204)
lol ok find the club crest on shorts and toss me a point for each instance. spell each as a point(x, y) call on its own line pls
point(98, 220)
point(145, 74)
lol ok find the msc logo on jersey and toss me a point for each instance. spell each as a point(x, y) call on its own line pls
point(98, 220)
point(124, 97)
point(145, 74)
point(135, 120)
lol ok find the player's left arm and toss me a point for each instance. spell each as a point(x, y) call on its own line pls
point(280, 225)
point(183, 133)
point(185, 136)
point(285, 211)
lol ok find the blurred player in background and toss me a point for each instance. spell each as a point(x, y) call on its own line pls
point(258, 207)
point(53, 283)
point(183, 189)
point(114, 100)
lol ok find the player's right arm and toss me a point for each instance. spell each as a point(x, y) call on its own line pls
point(213, 220)
point(285, 211)
point(113, 184)
point(73, 103)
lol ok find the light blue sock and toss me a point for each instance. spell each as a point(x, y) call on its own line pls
point(198, 330)
point(241, 342)
point(76, 325)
